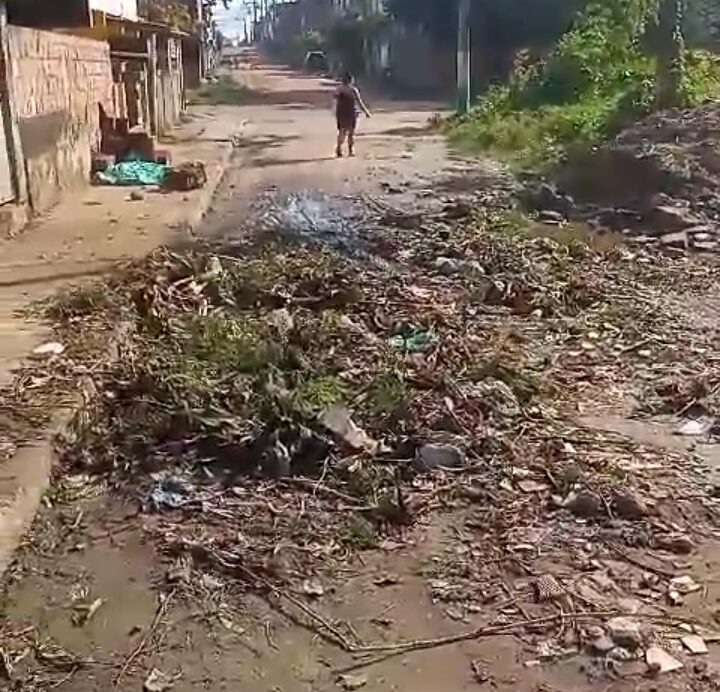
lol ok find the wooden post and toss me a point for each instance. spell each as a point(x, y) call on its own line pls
point(8, 109)
point(463, 58)
point(153, 84)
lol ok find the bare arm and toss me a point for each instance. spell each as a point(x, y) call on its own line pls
point(361, 103)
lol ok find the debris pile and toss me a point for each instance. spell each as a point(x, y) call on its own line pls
point(276, 406)
point(657, 182)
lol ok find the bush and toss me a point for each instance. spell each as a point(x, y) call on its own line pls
point(596, 81)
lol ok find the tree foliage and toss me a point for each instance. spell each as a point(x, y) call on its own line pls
point(621, 59)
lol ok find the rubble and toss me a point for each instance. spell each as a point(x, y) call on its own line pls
point(432, 457)
point(660, 661)
point(322, 388)
point(625, 632)
point(694, 644)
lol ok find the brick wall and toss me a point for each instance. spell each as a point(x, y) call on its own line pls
point(59, 82)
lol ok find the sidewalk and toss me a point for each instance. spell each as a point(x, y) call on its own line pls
point(84, 236)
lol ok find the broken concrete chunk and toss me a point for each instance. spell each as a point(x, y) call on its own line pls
point(352, 682)
point(600, 645)
point(678, 543)
point(530, 486)
point(660, 661)
point(675, 240)
point(684, 585)
point(667, 218)
point(694, 644)
point(625, 632)
point(431, 457)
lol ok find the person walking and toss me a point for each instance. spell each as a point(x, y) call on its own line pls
point(347, 102)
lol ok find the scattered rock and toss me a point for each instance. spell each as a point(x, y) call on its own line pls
point(625, 632)
point(137, 196)
point(313, 588)
point(432, 457)
point(660, 661)
point(695, 427)
point(337, 420)
point(677, 240)
point(475, 493)
point(694, 644)
point(157, 681)
point(584, 504)
point(600, 645)
point(530, 486)
point(629, 505)
point(668, 218)
point(457, 209)
point(50, 348)
point(447, 266)
point(551, 217)
point(352, 682)
point(678, 543)
point(684, 585)
point(387, 580)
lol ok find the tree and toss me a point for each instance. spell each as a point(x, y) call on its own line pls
point(499, 29)
point(669, 52)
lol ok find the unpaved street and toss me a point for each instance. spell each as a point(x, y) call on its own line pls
point(476, 514)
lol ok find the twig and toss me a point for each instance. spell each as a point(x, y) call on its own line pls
point(639, 563)
point(315, 487)
point(341, 639)
point(159, 614)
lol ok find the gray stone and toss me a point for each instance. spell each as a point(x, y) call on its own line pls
point(625, 632)
point(677, 240)
point(431, 457)
point(548, 216)
point(678, 543)
point(583, 504)
point(629, 505)
point(669, 218)
point(447, 266)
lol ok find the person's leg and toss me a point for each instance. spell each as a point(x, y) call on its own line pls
point(351, 137)
point(340, 141)
point(351, 142)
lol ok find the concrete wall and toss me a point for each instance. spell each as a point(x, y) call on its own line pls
point(59, 84)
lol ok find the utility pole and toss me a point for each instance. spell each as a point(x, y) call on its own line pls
point(463, 57)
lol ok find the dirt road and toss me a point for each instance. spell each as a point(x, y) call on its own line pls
point(83, 609)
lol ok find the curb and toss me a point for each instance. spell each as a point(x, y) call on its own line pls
point(26, 476)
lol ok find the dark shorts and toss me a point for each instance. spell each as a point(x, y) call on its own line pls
point(346, 122)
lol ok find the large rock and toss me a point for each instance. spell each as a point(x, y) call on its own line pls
point(432, 457)
point(629, 505)
point(625, 632)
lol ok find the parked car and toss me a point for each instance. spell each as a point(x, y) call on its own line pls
point(316, 61)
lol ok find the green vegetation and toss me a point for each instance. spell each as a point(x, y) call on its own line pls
point(619, 61)
point(224, 92)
